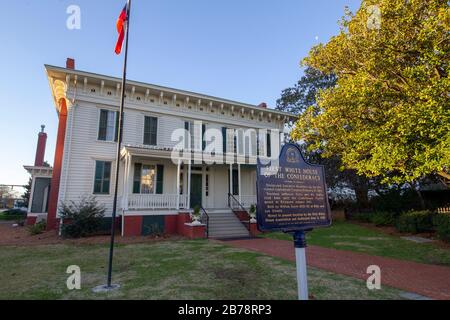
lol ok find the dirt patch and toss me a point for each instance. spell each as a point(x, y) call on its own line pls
point(10, 236)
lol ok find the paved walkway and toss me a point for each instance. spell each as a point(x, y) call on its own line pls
point(427, 280)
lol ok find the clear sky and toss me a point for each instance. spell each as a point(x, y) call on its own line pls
point(244, 50)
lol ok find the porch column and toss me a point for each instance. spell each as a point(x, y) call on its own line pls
point(231, 178)
point(30, 201)
point(239, 182)
point(126, 188)
point(189, 185)
point(178, 183)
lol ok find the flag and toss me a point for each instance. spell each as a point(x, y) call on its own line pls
point(120, 29)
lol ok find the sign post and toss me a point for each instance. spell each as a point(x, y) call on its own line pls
point(300, 258)
point(292, 198)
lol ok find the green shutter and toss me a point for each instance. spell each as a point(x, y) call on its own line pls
point(98, 177)
point(224, 140)
point(203, 137)
point(159, 179)
point(102, 125)
point(137, 178)
point(106, 177)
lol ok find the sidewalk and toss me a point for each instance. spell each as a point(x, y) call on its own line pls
point(427, 280)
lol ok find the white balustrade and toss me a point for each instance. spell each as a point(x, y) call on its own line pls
point(156, 201)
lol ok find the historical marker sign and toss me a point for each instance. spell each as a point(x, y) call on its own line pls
point(292, 195)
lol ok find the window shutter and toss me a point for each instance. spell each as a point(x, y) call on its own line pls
point(159, 179)
point(137, 178)
point(224, 140)
point(98, 177)
point(106, 177)
point(269, 144)
point(103, 123)
point(154, 131)
point(203, 137)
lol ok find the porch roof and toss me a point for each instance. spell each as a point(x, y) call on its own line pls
point(167, 153)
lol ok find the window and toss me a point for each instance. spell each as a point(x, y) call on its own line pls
point(269, 145)
point(102, 177)
point(151, 131)
point(148, 179)
point(189, 138)
point(108, 125)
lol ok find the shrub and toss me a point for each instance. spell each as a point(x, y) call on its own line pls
point(37, 228)
point(441, 223)
point(415, 222)
point(13, 214)
point(381, 219)
point(81, 219)
point(396, 200)
point(362, 217)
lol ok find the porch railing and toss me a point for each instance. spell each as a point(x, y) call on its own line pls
point(157, 201)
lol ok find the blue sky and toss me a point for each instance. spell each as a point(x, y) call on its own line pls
point(244, 50)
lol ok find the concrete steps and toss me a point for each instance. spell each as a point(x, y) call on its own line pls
point(223, 224)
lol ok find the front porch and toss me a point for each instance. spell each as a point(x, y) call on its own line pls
point(152, 183)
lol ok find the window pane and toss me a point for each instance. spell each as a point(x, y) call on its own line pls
point(102, 177)
point(150, 131)
point(148, 179)
point(111, 126)
point(103, 125)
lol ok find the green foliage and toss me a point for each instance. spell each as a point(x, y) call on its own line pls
point(383, 218)
point(415, 222)
point(441, 223)
point(13, 214)
point(389, 114)
point(37, 228)
point(196, 213)
point(396, 200)
point(379, 218)
point(81, 219)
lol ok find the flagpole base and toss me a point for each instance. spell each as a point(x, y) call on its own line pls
point(105, 288)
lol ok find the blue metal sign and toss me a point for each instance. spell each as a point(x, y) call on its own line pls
point(292, 194)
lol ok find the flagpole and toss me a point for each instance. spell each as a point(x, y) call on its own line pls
point(119, 146)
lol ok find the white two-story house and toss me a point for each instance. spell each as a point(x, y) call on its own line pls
point(168, 165)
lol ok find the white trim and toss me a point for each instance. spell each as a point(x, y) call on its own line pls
point(30, 201)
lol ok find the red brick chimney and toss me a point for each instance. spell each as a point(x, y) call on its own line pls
point(40, 151)
point(70, 63)
point(263, 105)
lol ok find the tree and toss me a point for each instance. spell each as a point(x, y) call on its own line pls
point(27, 193)
point(297, 100)
point(388, 114)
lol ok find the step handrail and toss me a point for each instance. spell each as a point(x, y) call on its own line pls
point(207, 221)
point(232, 197)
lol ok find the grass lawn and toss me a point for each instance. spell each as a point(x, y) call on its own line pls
point(349, 236)
point(167, 270)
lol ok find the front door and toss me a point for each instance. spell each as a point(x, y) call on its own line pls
point(196, 190)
